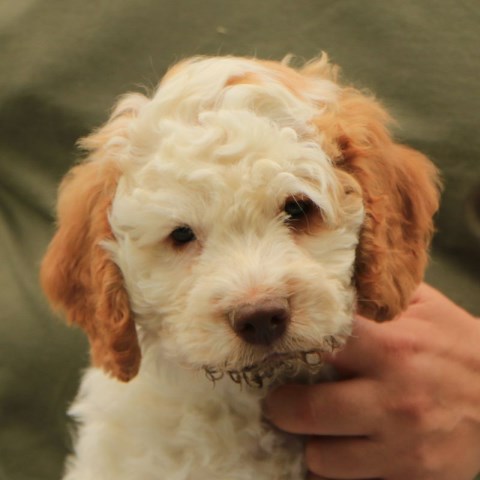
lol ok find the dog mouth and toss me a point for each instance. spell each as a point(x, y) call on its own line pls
point(276, 365)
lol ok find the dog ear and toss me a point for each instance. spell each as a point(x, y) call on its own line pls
point(400, 193)
point(77, 273)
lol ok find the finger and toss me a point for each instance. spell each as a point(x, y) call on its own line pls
point(432, 306)
point(363, 351)
point(344, 458)
point(372, 346)
point(422, 292)
point(359, 353)
point(335, 408)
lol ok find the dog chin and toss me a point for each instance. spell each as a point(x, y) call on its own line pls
point(276, 368)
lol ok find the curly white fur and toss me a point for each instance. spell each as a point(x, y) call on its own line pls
point(221, 158)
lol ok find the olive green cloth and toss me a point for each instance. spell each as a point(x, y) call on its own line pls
point(63, 64)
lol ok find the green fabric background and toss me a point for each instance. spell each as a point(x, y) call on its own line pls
point(62, 65)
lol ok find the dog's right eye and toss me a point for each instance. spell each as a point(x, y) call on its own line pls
point(182, 235)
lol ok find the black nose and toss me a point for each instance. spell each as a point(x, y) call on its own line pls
point(261, 324)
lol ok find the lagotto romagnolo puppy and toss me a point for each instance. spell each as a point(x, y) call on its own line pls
point(217, 239)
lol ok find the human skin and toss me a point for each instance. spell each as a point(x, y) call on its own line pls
point(408, 402)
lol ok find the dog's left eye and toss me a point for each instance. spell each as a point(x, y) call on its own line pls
point(298, 209)
point(302, 214)
point(182, 235)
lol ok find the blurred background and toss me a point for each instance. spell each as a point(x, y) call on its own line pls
point(64, 63)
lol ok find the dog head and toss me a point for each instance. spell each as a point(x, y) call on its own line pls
point(238, 218)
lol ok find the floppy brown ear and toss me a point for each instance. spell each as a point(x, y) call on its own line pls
point(401, 194)
point(77, 273)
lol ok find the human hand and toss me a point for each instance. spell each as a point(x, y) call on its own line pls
point(408, 407)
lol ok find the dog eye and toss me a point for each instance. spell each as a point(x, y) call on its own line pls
point(298, 209)
point(302, 214)
point(182, 235)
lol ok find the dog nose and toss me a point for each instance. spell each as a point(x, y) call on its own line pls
point(261, 324)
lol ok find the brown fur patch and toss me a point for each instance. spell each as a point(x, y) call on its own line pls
point(78, 275)
point(400, 194)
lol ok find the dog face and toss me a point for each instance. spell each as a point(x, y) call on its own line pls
point(217, 226)
point(238, 217)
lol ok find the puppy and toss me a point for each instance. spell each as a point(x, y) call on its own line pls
point(224, 232)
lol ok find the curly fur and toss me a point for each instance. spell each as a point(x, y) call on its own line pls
point(220, 147)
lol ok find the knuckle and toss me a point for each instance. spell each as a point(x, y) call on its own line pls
point(421, 460)
point(401, 345)
point(414, 409)
point(424, 459)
